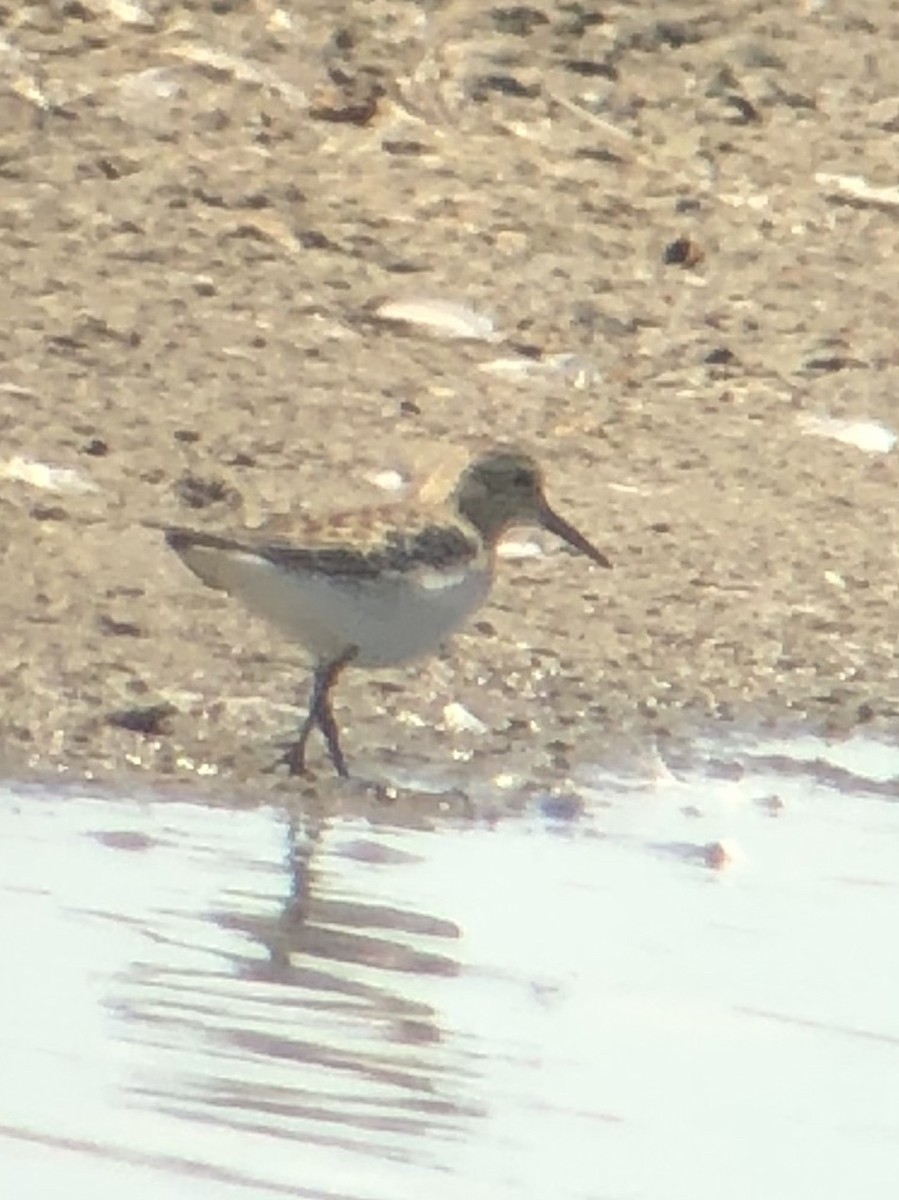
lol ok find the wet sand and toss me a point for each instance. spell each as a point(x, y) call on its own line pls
point(202, 213)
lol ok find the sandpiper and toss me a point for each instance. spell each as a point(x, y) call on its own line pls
point(377, 587)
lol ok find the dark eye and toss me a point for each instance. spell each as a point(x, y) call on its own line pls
point(522, 478)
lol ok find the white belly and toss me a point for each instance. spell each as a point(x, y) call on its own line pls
point(389, 620)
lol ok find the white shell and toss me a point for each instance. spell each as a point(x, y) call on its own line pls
point(870, 436)
point(42, 475)
point(459, 719)
point(441, 316)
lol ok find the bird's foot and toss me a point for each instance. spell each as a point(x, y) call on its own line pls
point(293, 758)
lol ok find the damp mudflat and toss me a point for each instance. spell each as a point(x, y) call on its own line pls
point(674, 982)
point(267, 261)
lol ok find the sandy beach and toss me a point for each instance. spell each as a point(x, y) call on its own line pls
point(679, 222)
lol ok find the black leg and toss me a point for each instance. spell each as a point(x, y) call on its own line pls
point(294, 758)
point(328, 725)
point(322, 715)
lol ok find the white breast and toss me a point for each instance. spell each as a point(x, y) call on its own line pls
point(390, 619)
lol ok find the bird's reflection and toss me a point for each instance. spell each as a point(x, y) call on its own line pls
point(332, 1013)
point(321, 927)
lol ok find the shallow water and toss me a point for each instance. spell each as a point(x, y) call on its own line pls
point(671, 985)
